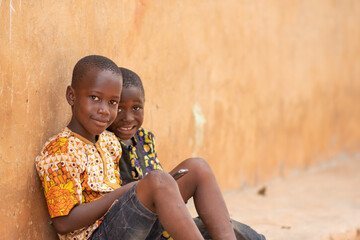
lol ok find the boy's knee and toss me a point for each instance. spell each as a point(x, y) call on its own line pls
point(154, 187)
point(199, 168)
point(159, 180)
point(197, 164)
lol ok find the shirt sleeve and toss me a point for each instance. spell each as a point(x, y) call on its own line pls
point(60, 176)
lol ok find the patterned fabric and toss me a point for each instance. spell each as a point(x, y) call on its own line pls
point(75, 171)
point(140, 160)
point(165, 236)
point(136, 161)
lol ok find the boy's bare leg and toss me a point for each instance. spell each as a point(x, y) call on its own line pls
point(159, 192)
point(200, 183)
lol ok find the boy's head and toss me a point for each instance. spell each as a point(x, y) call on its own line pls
point(131, 107)
point(131, 79)
point(94, 95)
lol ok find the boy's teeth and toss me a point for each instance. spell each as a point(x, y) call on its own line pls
point(126, 128)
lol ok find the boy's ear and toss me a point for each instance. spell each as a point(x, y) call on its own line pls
point(70, 95)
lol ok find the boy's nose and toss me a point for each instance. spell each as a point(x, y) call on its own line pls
point(128, 117)
point(104, 110)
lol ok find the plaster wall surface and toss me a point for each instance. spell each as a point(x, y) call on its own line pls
point(258, 88)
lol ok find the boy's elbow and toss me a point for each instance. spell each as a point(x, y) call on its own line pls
point(60, 225)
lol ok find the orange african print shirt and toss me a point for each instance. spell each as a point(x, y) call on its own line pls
point(75, 171)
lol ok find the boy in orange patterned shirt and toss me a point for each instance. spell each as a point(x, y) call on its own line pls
point(79, 170)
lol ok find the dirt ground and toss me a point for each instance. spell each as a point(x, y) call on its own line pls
point(322, 203)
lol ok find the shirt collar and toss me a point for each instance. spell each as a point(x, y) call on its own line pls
point(71, 133)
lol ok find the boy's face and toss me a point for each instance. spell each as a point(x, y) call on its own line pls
point(131, 113)
point(94, 102)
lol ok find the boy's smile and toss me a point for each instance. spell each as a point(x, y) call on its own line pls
point(131, 113)
point(94, 102)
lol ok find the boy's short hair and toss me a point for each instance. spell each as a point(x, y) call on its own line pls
point(84, 64)
point(131, 79)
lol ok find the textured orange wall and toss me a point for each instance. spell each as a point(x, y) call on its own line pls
point(258, 88)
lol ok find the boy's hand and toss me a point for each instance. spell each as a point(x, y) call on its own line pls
point(83, 215)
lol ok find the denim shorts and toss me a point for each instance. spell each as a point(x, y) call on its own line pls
point(128, 219)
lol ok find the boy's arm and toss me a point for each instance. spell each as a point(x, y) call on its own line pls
point(85, 214)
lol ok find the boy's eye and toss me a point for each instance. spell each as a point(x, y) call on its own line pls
point(136, 108)
point(95, 98)
point(119, 109)
point(113, 102)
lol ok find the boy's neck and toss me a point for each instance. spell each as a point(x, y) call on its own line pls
point(128, 141)
point(73, 126)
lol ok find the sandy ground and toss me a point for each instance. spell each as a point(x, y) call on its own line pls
point(322, 203)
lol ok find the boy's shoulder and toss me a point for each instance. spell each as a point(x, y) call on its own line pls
point(66, 141)
point(70, 150)
point(58, 142)
point(53, 152)
point(145, 133)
